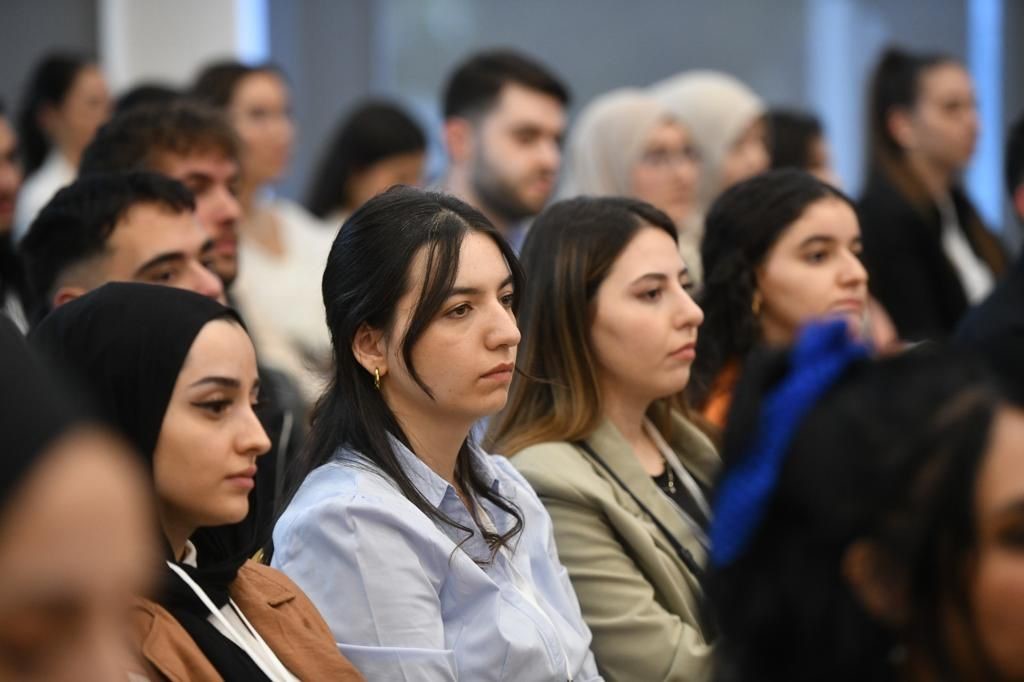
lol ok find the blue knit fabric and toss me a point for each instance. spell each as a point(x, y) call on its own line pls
point(822, 353)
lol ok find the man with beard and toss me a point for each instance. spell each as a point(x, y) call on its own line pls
point(504, 123)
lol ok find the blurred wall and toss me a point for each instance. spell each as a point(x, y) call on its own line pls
point(31, 28)
point(815, 54)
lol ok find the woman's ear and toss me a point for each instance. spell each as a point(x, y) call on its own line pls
point(370, 349)
point(875, 582)
point(901, 127)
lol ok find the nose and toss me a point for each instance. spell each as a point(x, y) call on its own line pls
point(853, 273)
point(204, 282)
point(228, 208)
point(503, 330)
point(550, 154)
point(252, 438)
point(687, 312)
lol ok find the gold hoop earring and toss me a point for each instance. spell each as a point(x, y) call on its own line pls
point(376, 378)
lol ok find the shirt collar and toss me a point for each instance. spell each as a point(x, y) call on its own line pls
point(431, 486)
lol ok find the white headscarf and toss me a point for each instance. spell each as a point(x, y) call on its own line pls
point(607, 140)
point(717, 108)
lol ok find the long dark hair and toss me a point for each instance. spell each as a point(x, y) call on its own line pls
point(741, 228)
point(367, 273)
point(896, 85)
point(216, 83)
point(372, 132)
point(569, 251)
point(49, 85)
point(889, 455)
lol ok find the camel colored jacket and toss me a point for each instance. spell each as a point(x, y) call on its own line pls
point(285, 618)
point(637, 596)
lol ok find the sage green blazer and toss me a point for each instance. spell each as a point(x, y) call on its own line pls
point(637, 596)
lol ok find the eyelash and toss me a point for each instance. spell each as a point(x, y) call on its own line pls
point(214, 407)
point(463, 309)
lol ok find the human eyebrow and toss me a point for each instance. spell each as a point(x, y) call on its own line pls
point(223, 382)
point(653, 275)
point(818, 239)
point(161, 259)
point(476, 291)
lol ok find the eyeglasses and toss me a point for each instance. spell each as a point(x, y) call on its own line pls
point(663, 158)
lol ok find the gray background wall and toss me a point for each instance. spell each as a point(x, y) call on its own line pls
point(808, 53)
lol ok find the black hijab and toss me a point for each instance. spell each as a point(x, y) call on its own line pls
point(34, 410)
point(124, 345)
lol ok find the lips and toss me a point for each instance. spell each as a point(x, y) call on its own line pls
point(848, 305)
point(499, 372)
point(687, 351)
point(249, 473)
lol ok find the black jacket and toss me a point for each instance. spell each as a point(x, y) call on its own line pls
point(995, 331)
point(909, 271)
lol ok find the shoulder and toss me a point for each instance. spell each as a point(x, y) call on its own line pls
point(267, 582)
point(558, 469)
point(342, 503)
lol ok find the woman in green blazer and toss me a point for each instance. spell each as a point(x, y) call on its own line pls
point(596, 424)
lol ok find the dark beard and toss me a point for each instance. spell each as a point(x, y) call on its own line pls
point(496, 196)
point(500, 201)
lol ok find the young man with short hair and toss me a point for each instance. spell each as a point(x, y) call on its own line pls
point(186, 141)
point(504, 122)
point(116, 227)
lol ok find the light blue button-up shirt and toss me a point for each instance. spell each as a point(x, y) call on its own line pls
point(406, 603)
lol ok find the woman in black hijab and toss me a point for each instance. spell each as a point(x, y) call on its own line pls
point(176, 373)
point(75, 545)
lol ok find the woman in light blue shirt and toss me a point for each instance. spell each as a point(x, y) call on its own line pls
point(429, 559)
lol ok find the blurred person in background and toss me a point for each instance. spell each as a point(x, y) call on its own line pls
point(870, 511)
point(725, 119)
point(504, 122)
point(175, 373)
point(194, 144)
point(116, 227)
point(780, 250)
point(626, 143)
point(596, 423)
point(150, 93)
point(375, 146)
point(12, 277)
point(65, 101)
point(995, 329)
point(190, 143)
point(929, 254)
point(77, 540)
point(796, 139)
point(284, 247)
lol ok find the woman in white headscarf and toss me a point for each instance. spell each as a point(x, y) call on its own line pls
point(626, 143)
point(726, 120)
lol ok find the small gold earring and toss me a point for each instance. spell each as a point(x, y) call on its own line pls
point(376, 378)
point(755, 305)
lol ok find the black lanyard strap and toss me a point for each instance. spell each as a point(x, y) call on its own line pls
point(684, 554)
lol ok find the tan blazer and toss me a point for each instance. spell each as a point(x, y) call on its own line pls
point(282, 614)
point(637, 596)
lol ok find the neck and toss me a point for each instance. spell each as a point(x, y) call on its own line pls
point(72, 155)
point(435, 441)
point(247, 192)
point(627, 414)
point(937, 181)
point(458, 183)
point(177, 533)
